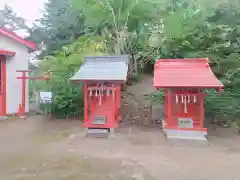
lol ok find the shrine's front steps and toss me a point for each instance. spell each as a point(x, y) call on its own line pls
point(185, 137)
point(98, 132)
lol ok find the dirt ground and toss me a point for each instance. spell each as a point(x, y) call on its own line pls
point(39, 149)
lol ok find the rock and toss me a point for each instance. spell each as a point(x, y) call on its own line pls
point(138, 176)
point(72, 136)
point(71, 150)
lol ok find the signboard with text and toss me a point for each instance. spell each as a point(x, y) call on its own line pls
point(46, 97)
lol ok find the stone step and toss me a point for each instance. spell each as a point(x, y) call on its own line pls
point(185, 133)
point(97, 133)
point(184, 137)
point(182, 141)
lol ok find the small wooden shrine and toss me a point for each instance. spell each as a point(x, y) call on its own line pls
point(184, 81)
point(102, 77)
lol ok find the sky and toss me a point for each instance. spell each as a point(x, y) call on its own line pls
point(28, 9)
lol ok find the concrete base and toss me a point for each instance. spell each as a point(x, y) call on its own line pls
point(184, 137)
point(188, 142)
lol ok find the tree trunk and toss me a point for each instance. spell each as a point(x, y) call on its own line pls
point(134, 61)
point(117, 49)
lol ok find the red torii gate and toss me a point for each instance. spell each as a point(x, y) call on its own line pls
point(24, 77)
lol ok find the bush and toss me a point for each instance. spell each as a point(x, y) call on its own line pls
point(224, 107)
point(157, 97)
point(67, 97)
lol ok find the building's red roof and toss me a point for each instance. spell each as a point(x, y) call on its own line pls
point(184, 73)
point(6, 52)
point(18, 39)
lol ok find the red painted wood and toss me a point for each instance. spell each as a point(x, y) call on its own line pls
point(184, 73)
point(169, 107)
point(3, 102)
point(194, 110)
point(166, 104)
point(109, 106)
point(85, 103)
point(113, 110)
point(6, 52)
point(202, 110)
point(24, 78)
point(23, 91)
point(178, 76)
point(105, 109)
point(15, 37)
point(118, 96)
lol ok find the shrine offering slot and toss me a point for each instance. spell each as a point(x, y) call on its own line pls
point(99, 120)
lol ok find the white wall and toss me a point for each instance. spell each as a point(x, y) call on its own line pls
point(14, 85)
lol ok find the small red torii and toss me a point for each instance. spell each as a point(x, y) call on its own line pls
point(24, 77)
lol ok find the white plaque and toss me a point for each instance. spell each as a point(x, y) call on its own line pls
point(45, 97)
point(185, 123)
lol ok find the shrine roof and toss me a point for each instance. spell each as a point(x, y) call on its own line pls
point(190, 72)
point(30, 45)
point(103, 68)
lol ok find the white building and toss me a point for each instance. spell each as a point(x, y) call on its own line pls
point(13, 57)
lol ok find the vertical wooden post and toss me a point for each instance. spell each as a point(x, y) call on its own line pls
point(169, 107)
point(3, 86)
point(114, 95)
point(201, 109)
point(166, 105)
point(23, 91)
point(23, 78)
point(118, 96)
point(85, 91)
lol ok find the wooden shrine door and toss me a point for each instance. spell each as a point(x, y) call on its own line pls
point(185, 110)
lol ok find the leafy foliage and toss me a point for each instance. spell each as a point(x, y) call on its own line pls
point(121, 23)
point(67, 97)
point(147, 30)
point(60, 25)
point(212, 36)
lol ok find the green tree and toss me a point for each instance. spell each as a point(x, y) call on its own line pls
point(67, 97)
point(201, 33)
point(121, 22)
point(61, 24)
point(149, 30)
point(9, 19)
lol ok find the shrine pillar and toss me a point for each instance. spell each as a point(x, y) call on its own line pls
point(168, 105)
point(201, 110)
point(85, 102)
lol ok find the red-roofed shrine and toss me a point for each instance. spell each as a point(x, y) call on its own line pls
point(184, 81)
